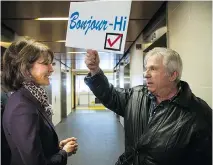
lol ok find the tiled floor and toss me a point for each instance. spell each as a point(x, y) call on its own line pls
point(100, 137)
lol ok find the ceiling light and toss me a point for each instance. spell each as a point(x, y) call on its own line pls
point(76, 52)
point(61, 41)
point(5, 44)
point(82, 52)
point(52, 19)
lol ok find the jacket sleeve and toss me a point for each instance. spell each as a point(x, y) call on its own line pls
point(25, 135)
point(113, 98)
point(200, 149)
point(202, 138)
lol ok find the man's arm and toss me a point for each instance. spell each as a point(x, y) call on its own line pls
point(115, 99)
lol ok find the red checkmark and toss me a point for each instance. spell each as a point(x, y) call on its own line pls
point(112, 43)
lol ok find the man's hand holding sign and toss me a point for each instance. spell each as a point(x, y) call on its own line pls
point(92, 61)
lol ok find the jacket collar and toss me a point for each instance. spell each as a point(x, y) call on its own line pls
point(183, 97)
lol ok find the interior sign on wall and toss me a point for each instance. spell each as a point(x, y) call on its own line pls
point(100, 25)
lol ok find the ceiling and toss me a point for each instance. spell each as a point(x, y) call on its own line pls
point(19, 17)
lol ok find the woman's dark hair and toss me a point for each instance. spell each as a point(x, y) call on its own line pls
point(18, 59)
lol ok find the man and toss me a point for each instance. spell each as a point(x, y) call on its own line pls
point(165, 123)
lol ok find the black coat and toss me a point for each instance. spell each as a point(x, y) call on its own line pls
point(179, 133)
point(30, 135)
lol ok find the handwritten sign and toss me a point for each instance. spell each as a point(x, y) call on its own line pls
point(100, 25)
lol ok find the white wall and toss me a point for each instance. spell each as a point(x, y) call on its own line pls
point(69, 94)
point(56, 92)
point(121, 85)
point(190, 34)
point(136, 64)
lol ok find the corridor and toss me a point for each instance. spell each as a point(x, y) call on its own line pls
point(100, 136)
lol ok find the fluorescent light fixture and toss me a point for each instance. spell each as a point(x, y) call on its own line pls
point(82, 52)
point(52, 19)
point(61, 41)
point(76, 52)
point(5, 44)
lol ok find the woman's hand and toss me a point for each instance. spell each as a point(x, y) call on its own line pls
point(70, 145)
point(65, 141)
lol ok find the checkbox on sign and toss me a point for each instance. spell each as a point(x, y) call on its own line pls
point(113, 41)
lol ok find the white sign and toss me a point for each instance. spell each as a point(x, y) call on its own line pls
point(99, 25)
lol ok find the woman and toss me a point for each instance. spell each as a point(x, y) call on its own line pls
point(27, 65)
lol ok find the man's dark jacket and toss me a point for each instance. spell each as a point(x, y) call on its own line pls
point(179, 133)
point(30, 134)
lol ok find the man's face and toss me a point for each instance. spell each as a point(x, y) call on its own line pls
point(156, 75)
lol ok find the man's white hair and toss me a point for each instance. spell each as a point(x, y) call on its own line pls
point(171, 60)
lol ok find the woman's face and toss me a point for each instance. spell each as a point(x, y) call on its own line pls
point(41, 71)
